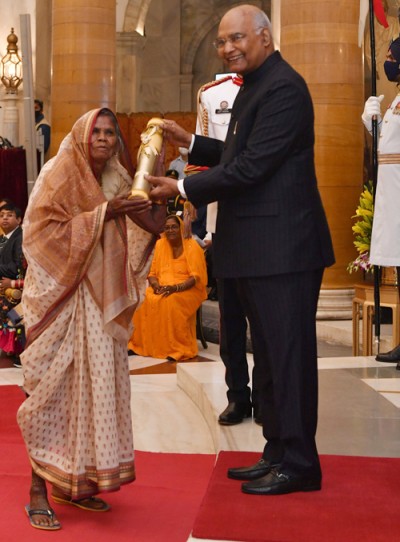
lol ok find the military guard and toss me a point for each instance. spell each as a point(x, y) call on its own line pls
point(214, 106)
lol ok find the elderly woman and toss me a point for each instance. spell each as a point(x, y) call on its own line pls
point(87, 248)
point(165, 325)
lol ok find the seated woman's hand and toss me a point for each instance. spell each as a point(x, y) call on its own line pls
point(168, 290)
point(5, 283)
point(157, 289)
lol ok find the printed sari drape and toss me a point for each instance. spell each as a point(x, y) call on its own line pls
point(85, 277)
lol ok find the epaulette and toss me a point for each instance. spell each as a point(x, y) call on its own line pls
point(214, 83)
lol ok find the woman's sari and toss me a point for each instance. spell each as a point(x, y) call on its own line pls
point(85, 277)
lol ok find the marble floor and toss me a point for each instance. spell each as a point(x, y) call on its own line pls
point(359, 412)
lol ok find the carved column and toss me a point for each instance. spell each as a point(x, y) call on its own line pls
point(83, 78)
point(130, 47)
point(186, 90)
point(319, 39)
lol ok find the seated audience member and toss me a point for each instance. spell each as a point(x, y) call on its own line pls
point(180, 162)
point(11, 241)
point(42, 125)
point(12, 330)
point(174, 205)
point(165, 324)
point(4, 201)
point(12, 336)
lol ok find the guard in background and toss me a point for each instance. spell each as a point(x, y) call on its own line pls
point(42, 126)
point(214, 106)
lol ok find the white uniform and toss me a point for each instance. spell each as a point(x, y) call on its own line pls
point(214, 106)
point(385, 240)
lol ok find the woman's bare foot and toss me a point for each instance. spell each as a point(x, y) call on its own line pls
point(39, 501)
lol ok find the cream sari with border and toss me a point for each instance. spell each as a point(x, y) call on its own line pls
point(85, 278)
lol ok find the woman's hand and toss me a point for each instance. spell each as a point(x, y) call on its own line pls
point(145, 213)
point(157, 289)
point(168, 290)
point(121, 205)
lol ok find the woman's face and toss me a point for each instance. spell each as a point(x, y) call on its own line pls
point(104, 141)
point(171, 230)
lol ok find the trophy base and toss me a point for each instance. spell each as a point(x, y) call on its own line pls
point(137, 193)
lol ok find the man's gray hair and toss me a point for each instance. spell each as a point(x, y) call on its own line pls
point(261, 20)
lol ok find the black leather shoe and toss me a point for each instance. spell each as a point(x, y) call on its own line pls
point(260, 469)
point(398, 366)
point(235, 413)
point(390, 357)
point(278, 483)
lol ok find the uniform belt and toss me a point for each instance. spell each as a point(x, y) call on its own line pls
point(388, 158)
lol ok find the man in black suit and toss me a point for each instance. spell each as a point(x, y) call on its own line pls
point(272, 237)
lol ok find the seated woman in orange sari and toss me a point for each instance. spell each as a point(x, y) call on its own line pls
point(165, 324)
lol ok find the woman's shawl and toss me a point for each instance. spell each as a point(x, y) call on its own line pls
point(66, 240)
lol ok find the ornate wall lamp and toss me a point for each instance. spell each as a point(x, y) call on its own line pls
point(11, 65)
point(11, 77)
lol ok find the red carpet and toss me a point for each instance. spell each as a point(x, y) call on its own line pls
point(359, 502)
point(160, 506)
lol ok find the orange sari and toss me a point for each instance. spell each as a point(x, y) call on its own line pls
point(166, 326)
point(85, 277)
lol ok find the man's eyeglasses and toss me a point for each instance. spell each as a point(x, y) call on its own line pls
point(234, 39)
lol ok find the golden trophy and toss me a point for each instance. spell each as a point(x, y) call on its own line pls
point(149, 151)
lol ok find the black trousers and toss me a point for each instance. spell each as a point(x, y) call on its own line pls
point(282, 312)
point(233, 338)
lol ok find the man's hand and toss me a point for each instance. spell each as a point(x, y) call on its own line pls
point(164, 187)
point(176, 134)
point(372, 109)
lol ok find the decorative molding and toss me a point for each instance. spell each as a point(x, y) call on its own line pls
point(335, 304)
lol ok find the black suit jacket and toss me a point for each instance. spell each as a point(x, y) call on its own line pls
point(11, 255)
point(270, 216)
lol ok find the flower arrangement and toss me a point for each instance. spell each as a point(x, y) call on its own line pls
point(362, 230)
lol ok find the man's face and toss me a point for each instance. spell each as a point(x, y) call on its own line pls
point(9, 220)
point(245, 47)
point(390, 58)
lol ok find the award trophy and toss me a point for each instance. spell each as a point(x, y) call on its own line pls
point(149, 150)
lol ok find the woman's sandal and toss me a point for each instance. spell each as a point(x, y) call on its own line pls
point(42, 512)
point(84, 503)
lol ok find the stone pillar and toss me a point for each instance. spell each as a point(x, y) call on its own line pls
point(186, 90)
point(319, 38)
point(83, 78)
point(43, 57)
point(130, 47)
point(11, 119)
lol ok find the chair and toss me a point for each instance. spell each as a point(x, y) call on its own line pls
point(199, 328)
point(363, 307)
